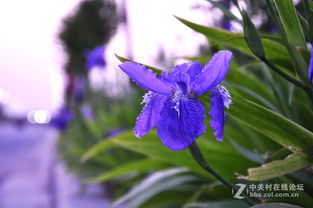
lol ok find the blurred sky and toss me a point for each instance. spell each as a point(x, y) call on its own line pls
point(31, 57)
point(29, 53)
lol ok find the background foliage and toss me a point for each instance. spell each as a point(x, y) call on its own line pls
point(268, 136)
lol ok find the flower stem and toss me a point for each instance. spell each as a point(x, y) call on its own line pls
point(309, 91)
point(283, 74)
point(198, 156)
point(307, 88)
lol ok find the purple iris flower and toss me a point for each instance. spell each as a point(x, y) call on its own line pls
point(62, 118)
point(95, 58)
point(310, 73)
point(172, 106)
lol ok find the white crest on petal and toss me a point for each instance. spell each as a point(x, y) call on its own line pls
point(225, 95)
point(147, 97)
point(177, 96)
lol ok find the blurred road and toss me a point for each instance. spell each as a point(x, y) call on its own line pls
point(31, 176)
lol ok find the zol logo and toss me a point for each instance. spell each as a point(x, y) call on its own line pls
point(238, 191)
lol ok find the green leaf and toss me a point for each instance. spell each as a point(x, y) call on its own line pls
point(253, 156)
point(299, 64)
point(252, 36)
point(304, 26)
point(311, 4)
point(290, 21)
point(138, 166)
point(216, 153)
point(275, 205)
point(161, 186)
point(100, 147)
point(309, 17)
point(279, 168)
point(152, 185)
point(218, 204)
point(274, 51)
point(278, 128)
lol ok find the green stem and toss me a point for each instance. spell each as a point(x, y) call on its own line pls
point(307, 88)
point(309, 91)
point(198, 156)
point(283, 74)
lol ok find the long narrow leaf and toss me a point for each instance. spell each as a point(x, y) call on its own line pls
point(278, 128)
point(278, 168)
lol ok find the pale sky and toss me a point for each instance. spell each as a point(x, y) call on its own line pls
point(29, 52)
point(31, 57)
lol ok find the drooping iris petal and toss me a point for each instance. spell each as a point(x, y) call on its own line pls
point(95, 58)
point(150, 113)
point(192, 69)
point(145, 78)
point(310, 73)
point(220, 97)
point(213, 73)
point(177, 130)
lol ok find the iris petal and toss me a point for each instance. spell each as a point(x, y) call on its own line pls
point(192, 69)
point(150, 113)
point(310, 73)
point(177, 130)
point(225, 96)
point(181, 80)
point(145, 78)
point(220, 97)
point(213, 73)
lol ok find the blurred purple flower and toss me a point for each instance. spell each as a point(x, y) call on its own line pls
point(62, 118)
point(226, 25)
point(172, 105)
point(113, 132)
point(87, 112)
point(310, 72)
point(79, 88)
point(94, 58)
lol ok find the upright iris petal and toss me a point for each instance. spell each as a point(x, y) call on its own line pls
point(192, 69)
point(172, 106)
point(213, 73)
point(310, 72)
point(95, 58)
point(182, 82)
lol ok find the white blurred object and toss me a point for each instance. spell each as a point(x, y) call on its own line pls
point(12, 105)
point(39, 116)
